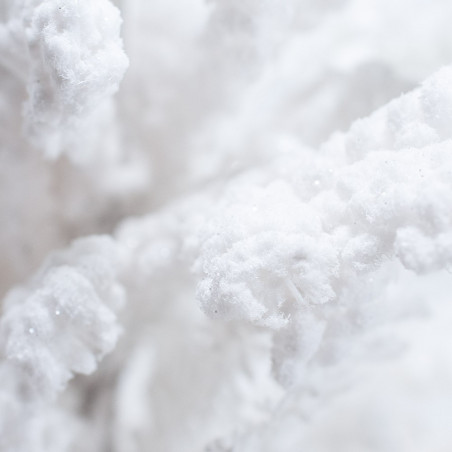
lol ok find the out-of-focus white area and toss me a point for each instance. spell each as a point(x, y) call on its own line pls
point(259, 192)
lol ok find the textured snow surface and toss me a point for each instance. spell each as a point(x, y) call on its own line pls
point(240, 241)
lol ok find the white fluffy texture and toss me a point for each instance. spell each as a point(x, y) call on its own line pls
point(61, 61)
point(282, 294)
point(296, 236)
point(76, 61)
point(62, 323)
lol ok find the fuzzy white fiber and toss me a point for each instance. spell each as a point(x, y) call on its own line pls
point(226, 226)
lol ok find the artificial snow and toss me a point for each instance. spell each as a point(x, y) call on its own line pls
point(226, 226)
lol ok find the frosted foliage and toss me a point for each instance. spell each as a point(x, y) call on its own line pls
point(243, 243)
